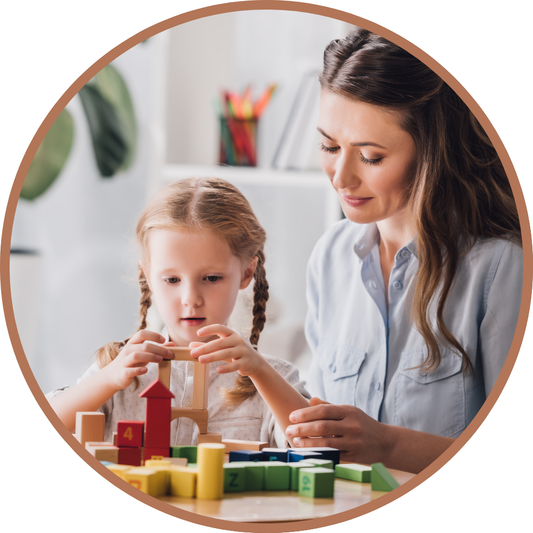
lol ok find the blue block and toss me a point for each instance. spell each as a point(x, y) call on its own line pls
point(246, 455)
point(296, 455)
point(276, 454)
point(107, 463)
point(332, 454)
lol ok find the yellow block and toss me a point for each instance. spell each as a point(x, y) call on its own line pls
point(183, 481)
point(149, 480)
point(119, 470)
point(210, 484)
point(157, 462)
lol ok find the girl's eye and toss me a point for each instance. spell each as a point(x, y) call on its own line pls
point(213, 279)
point(376, 161)
point(327, 149)
point(171, 280)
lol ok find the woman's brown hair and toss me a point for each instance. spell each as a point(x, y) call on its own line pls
point(198, 204)
point(459, 193)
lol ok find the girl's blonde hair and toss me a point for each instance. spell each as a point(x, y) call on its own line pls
point(215, 205)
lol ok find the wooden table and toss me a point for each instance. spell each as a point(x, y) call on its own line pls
point(283, 506)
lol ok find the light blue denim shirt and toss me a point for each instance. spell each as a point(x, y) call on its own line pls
point(365, 357)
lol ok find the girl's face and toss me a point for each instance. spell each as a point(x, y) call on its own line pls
point(194, 279)
point(367, 156)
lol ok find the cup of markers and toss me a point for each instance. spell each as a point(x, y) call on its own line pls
point(239, 116)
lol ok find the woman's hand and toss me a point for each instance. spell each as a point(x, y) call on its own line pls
point(231, 348)
point(133, 358)
point(359, 437)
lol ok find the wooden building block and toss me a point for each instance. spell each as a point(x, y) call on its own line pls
point(234, 477)
point(103, 451)
point(115, 438)
point(254, 475)
point(148, 480)
point(210, 437)
point(275, 454)
point(210, 471)
point(295, 472)
point(197, 415)
point(247, 455)
point(130, 456)
point(233, 445)
point(333, 454)
point(381, 478)
point(200, 387)
point(324, 463)
point(163, 373)
point(155, 453)
point(119, 470)
point(183, 481)
point(296, 455)
point(178, 461)
point(130, 433)
point(158, 410)
point(354, 472)
point(188, 452)
point(181, 353)
point(90, 426)
point(316, 482)
point(277, 475)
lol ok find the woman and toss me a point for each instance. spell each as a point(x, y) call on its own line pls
point(413, 297)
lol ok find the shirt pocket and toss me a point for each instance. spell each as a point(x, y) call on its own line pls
point(340, 365)
point(433, 402)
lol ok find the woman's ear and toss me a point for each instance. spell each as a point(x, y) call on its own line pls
point(248, 273)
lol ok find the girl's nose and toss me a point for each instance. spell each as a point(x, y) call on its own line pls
point(345, 173)
point(191, 296)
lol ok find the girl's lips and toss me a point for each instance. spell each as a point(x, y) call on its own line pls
point(355, 201)
point(194, 321)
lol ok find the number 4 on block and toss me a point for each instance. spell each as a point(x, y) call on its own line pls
point(130, 433)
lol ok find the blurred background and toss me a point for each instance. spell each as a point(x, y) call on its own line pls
point(73, 255)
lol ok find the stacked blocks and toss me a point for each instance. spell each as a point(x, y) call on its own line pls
point(130, 441)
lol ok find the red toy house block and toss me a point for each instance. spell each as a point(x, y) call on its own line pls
point(156, 453)
point(130, 433)
point(158, 409)
point(130, 456)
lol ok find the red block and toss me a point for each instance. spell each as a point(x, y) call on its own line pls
point(157, 452)
point(158, 409)
point(130, 456)
point(130, 433)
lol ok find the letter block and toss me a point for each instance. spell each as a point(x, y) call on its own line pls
point(316, 482)
point(130, 433)
point(277, 476)
point(234, 477)
point(295, 472)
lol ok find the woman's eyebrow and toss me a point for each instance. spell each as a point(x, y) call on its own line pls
point(367, 143)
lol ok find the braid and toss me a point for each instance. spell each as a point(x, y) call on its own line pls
point(244, 386)
point(146, 299)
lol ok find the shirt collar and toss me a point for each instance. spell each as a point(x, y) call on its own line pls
point(369, 237)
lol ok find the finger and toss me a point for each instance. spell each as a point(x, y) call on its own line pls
point(144, 358)
point(146, 335)
point(228, 368)
point(213, 346)
point(170, 343)
point(195, 344)
point(229, 355)
point(318, 412)
point(134, 371)
point(215, 329)
point(318, 428)
point(317, 401)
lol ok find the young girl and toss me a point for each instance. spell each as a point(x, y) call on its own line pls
point(200, 244)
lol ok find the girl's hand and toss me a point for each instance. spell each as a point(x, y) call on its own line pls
point(133, 358)
point(359, 437)
point(231, 348)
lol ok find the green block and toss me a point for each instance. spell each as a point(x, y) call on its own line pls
point(189, 452)
point(294, 472)
point(324, 463)
point(255, 475)
point(382, 479)
point(234, 477)
point(354, 472)
point(317, 482)
point(277, 476)
point(192, 465)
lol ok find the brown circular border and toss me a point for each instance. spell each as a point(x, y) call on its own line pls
point(8, 227)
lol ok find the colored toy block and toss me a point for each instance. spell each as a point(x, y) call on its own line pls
point(333, 454)
point(294, 469)
point(181, 353)
point(158, 411)
point(246, 455)
point(130, 433)
point(119, 470)
point(234, 477)
point(254, 475)
point(148, 480)
point(189, 452)
point(178, 461)
point(163, 374)
point(183, 481)
point(233, 445)
point(381, 478)
point(197, 415)
point(200, 386)
point(296, 455)
point(324, 463)
point(209, 437)
point(90, 426)
point(130, 456)
point(155, 453)
point(114, 438)
point(354, 472)
point(316, 482)
point(103, 452)
point(210, 471)
point(277, 476)
point(157, 462)
point(107, 463)
point(276, 454)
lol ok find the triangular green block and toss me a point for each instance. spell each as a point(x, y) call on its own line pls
point(382, 479)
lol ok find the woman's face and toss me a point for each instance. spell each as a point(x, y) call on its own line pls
point(367, 156)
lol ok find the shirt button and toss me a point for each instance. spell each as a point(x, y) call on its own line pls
point(397, 285)
point(405, 253)
point(377, 386)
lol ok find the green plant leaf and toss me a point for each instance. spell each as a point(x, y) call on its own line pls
point(107, 133)
point(114, 89)
point(50, 157)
